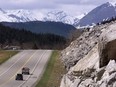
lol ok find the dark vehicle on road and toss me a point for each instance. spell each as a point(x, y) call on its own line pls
point(19, 77)
point(25, 70)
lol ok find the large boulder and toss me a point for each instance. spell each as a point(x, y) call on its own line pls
point(107, 45)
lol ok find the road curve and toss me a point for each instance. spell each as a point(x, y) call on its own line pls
point(36, 60)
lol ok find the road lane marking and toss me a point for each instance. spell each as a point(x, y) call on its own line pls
point(19, 69)
point(12, 65)
point(33, 69)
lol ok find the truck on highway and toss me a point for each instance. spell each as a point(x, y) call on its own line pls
point(25, 70)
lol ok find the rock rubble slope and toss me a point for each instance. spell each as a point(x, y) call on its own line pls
point(81, 46)
point(90, 60)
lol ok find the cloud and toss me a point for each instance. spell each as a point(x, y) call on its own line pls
point(27, 4)
point(75, 6)
point(77, 9)
point(21, 1)
point(42, 3)
point(81, 2)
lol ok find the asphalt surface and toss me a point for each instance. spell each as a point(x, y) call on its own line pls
point(35, 60)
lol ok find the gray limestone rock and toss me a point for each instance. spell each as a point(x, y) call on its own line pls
point(84, 56)
point(107, 45)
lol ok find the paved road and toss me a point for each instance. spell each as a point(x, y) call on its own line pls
point(34, 59)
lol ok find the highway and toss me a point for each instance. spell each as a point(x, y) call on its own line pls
point(35, 60)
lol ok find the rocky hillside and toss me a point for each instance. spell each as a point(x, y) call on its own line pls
point(90, 59)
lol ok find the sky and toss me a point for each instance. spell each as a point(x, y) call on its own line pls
point(71, 6)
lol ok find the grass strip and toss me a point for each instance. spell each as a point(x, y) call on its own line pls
point(53, 73)
point(5, 55)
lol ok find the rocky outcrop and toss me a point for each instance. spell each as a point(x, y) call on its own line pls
point(104, 77)
point(81, 46)
point(107, 45)
point(91, 51)
point(83, 72)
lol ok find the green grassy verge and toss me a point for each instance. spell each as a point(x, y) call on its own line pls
point(5, 55)
point(53, 73)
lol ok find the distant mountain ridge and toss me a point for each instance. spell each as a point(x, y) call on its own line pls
point(97, 15)
point(61, 16)
point(56, 28)
point(22, 15)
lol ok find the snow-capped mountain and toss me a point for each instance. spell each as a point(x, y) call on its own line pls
point(21, 15)
point(81, 16)
point(4, 16)
point(60, 16)
point(100, 13)
point(27, 15)
point(97, 15)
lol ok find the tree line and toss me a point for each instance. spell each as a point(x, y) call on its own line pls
point(107, 21)
point(26, 39)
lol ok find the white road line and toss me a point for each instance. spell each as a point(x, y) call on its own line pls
point(33, 69)
point(12, 65)
point(20, 68)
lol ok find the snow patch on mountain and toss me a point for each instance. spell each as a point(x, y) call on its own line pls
point(59, 16)
point(97, 15)
point(81, 16)
point(4, 16)
point(22, 15)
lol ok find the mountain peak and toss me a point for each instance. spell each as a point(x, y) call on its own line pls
point(110, 4)
point(60, 16)
point(97, 15)
point(107, 4)
point(22, 15)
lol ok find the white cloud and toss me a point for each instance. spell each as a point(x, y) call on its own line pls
point(71, 6)
point(22, 1)
point(77, 9)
